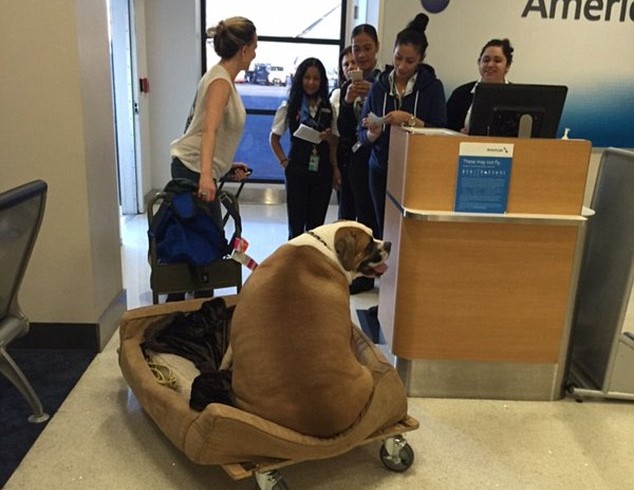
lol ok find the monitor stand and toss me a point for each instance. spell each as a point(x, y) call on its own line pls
point(525, 129)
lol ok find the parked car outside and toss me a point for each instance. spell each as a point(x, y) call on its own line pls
point(277, 75)
point(260, 74)
point(267, 74)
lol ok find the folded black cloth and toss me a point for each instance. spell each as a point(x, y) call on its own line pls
point(211, 388)
point(201, 336)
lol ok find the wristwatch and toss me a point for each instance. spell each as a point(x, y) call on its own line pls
point(411, 122)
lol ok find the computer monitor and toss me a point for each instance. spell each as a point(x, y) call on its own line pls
point(515, 109)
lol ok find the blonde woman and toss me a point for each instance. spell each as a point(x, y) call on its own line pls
point(205, 152)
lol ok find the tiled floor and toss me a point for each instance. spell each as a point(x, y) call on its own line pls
point(101, 439)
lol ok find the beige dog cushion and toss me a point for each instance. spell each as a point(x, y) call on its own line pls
point(291, 334)
point(221, 434)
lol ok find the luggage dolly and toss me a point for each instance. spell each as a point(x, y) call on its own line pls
point(395, 453)
point(230, 177)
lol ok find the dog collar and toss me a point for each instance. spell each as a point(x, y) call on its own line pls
point(315, 235)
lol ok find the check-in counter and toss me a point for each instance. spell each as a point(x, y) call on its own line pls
point(480, 305)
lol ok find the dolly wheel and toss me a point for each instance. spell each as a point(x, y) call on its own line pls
point(396, 454)
point(269, 480)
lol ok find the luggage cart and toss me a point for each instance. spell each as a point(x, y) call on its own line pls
point(246, 445)
point(395, 453)
point(183, 278)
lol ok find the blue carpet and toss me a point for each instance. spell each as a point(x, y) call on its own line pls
point(53, 373)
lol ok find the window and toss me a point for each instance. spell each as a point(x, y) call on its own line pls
point(309, 28)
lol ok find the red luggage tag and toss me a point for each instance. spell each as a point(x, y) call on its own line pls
point(240, 246)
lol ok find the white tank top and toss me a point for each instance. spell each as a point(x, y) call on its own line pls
point(187, 147)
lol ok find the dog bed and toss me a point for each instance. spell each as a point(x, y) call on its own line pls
point(225, 435)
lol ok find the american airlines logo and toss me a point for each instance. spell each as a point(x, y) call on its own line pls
point(434, 6)
point(592, 10)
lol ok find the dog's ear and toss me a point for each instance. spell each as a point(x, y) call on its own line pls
point(345, 246)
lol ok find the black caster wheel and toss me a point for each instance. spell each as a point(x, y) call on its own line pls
point(570, 389)
point(396, 454)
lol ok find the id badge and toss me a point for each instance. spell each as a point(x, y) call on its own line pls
point(313, 163)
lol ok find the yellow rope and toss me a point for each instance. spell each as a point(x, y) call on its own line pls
point(163, 374)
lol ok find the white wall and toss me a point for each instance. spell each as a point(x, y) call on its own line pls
point(144, 172)
point(57, 125)
point(174, 68)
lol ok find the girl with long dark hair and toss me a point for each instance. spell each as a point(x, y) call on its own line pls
point(310, 169)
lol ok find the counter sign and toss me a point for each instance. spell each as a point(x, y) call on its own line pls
point(484, 174)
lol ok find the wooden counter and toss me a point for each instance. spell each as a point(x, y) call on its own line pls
point(480, 305)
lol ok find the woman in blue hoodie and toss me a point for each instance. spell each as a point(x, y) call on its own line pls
point(407, 94)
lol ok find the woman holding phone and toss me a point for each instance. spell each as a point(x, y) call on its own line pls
point(346, 65)
point(356, 201)
point(407, 94)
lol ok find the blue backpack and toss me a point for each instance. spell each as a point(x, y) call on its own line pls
point(183, 229)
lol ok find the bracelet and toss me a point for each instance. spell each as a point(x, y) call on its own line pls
point(411, 122)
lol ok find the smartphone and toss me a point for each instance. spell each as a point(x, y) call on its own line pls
point(356, 75)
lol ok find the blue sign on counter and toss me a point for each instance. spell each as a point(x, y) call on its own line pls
point(484, 174)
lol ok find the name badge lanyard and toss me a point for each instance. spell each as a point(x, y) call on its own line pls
point(313, 161)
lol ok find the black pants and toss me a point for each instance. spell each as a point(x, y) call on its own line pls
point(307, 197)
point(358, 176)
point(378, 188)
point(345, 195)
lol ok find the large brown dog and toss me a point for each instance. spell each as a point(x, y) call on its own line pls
point(293, 362)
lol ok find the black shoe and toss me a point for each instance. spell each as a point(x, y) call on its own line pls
point(361, 284)
point(175, 297)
